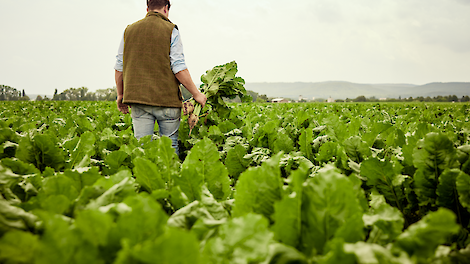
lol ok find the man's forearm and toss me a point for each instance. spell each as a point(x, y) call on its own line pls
point(185, 79)
point(119, 83)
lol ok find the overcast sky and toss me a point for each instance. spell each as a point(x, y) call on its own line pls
point(51, 44)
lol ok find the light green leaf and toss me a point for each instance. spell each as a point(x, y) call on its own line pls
point(283, 143)
point(386, 221)
point(18, 247)
point(287, 218)
point(57, 193)
point(164, 156)
point(367, 253)
point(20, 167)
point(243, 239)
point(356, 149)
point(327, 152)
point(267, 179)
point(145, 221)
point(330, 208)
point(235, 162)
point(305, 142)
point(206, 210)
point(85, 148)
point(115, 160)
point(13, 217)
point(203, 165)
point(175, 246)
point(147, 175)
point(117, 193)
point(94, 226)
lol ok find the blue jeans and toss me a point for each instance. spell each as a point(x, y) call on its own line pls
point(168, 119)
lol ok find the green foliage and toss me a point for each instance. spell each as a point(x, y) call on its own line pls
point(285, 183)
point(260, 200)
point(327, 215)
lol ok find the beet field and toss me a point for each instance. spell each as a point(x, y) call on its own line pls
point(254, 183)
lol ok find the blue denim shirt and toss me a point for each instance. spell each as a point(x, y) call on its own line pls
point(176, 54)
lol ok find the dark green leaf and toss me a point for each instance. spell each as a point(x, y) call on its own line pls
point(381, 175)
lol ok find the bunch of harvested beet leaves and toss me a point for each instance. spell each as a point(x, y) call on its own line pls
point(218, 83)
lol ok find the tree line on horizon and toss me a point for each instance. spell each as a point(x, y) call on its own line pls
point(439, 98)
point(8, 93)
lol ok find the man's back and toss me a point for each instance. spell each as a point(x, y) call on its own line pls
point(148, 78)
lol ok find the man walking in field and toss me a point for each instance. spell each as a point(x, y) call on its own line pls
point(149, 67)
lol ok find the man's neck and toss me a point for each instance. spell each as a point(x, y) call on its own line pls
point(161, 11)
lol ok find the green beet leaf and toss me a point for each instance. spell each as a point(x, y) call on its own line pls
point(367, 253)
point(203, 165)
point(116, 161)
point(386, 221)
point(62, 243)
point(164, 156)
point(116, 193)
point(287, 218)
point(356, 149)
point(175, 246)
point(83, 177)
point(243, 239)
point(207, 210)
point(330, 209)
point(57, 193)
point(336, 254)
point(235, 162)
point(94, 226)
point(375, 130)
point(327, 152)
point(381, 175)
point(18, 247)
point(447, 192)
point(147, 175)
point(463, 189)
point(20, 167)
point(421, 239)
point(9, 180)
point(431, 157)
point(41, 151)
point(260, 200)
point(14, 218)
point(144, 220)
point(84, 149)
point(283, 143)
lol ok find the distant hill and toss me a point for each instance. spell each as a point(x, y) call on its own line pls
point(343, 90)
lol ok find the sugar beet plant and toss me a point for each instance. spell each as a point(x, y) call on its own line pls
point(260, 183)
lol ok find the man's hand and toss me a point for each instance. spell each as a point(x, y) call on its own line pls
point(200, 98)
point(123, 108)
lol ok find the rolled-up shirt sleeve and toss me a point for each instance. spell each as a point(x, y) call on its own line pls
point(119, 65)
point(176, 54)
